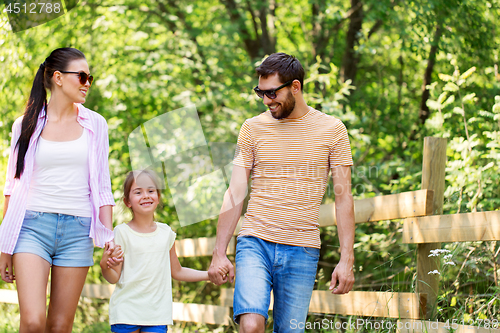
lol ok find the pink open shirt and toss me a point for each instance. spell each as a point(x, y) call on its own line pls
point(100, 183)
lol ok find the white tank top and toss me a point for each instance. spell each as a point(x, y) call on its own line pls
point(60, 181)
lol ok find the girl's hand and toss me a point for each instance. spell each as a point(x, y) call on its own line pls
point(214, 271)
point(116, 257)
point(111, 267)
point(6, 268)
point(223, 271)
point(117, 252)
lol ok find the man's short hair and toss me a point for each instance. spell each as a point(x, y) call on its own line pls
point(287, 66)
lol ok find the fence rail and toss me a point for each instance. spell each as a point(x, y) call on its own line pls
point(383, 207)
point(467, 227)
point(357, 303)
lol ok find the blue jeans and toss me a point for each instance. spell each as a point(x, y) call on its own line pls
point(63, 240)
point(289, 271)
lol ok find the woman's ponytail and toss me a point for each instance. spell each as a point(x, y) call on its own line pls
point(58, 60)
point(36, 101)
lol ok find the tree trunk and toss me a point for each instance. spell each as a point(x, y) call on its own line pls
point(424, 112)
point(351, 57)
point(267, 27)
point(252, 45)
point(264, 41)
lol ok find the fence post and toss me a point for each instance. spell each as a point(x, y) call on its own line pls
point(433, 173)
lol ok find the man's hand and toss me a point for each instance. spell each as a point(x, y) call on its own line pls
point(344, 275)
point(220, 264)
point(6, 268)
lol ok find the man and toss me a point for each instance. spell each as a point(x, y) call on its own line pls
point(289, 149)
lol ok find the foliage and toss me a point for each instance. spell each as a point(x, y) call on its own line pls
point(469, 280)
point(473, 149)
point(151, 57)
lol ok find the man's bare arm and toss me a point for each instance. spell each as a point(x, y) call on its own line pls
point(344, 209)
point(228, 219)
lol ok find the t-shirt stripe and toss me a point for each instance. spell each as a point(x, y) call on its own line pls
point(290, 161)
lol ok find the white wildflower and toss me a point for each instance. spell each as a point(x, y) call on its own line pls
point(437, 252)
point(434, 272)
point(434, 253)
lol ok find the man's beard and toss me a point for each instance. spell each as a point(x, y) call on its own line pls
point(286, 107)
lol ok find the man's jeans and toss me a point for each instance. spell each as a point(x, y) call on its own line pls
point(290, 271)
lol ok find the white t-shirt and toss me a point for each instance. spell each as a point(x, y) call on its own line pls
point(60, 181)
point(143, 295)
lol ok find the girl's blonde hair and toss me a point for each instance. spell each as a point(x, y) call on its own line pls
point(133, 175)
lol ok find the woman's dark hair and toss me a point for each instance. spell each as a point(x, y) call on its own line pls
point(58, 60)
point(287, 66)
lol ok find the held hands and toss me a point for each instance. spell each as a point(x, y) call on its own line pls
point(6, 268)
point(221, 270)
point(110, 245)
point(112, 256)
point(344, 275)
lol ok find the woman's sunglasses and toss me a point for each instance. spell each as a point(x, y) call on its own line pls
point(270, 93)
point(84, 77)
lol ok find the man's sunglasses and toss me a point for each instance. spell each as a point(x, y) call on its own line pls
point(84, 77)
point(270, 93)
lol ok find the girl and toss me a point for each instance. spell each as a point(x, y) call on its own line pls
point(142, 299)
point(57, 194)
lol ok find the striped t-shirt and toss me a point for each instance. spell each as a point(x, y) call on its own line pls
point(290, 161)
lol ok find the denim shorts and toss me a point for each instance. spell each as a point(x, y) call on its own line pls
point(125, 328)
point(62, 240)
point(289, 271)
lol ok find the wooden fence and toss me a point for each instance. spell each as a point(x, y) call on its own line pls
point(424, 225)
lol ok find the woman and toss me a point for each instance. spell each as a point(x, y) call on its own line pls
point(57, 194)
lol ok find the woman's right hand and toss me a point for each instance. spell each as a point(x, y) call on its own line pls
point(6, 268)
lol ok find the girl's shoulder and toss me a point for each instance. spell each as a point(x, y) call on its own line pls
point(164, 226)
point(120, 229)
point(120, 226)
point(168, 234)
